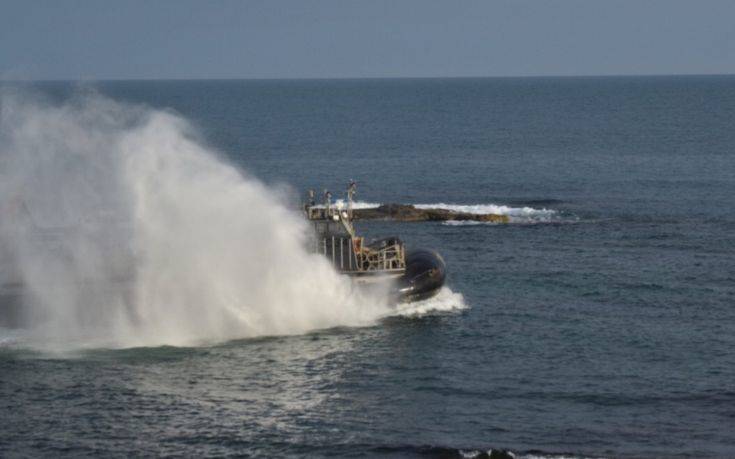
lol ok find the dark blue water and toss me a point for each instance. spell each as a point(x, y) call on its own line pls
point(607, 330)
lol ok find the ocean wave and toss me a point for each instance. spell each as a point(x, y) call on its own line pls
point(470, 453)
point(515, 214)
point(445, 301)
point(468, 223)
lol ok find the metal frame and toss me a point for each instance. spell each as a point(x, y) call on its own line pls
point(360, 260)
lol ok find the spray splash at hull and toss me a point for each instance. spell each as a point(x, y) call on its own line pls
point(125, 231)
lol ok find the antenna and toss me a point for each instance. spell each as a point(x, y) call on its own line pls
point(327, 201)
point(351, 190)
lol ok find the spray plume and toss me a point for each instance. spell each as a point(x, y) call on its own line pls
point(124, 231)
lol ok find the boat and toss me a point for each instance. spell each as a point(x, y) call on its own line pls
point(407, 274)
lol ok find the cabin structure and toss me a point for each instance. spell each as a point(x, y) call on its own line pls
point(336, 239)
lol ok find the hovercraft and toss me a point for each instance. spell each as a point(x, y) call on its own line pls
point(410, 275)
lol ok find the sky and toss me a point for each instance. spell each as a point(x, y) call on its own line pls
point(162, 39)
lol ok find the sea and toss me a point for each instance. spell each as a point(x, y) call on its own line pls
point(598, 323)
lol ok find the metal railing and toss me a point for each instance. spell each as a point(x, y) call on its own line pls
point(349, 256)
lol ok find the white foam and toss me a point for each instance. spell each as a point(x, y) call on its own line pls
point(197, 251)
point(445, 301)
point(515, 214)
point(467, 223)
point(342, 204)
point(9, 337)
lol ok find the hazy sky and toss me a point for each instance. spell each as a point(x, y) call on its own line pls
point(96, 39)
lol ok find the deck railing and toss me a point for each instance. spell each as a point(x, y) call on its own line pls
point(349, 256)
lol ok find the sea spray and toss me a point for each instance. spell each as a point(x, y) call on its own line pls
point(124, 230)
point(522, 215)
point(446, 301)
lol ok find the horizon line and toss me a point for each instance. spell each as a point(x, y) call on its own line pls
point(467, 77)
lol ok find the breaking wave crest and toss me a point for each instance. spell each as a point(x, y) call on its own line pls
point(515, 214)
point(126, 231)
point(445, 301)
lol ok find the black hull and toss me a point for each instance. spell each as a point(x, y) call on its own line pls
point(424, 277)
